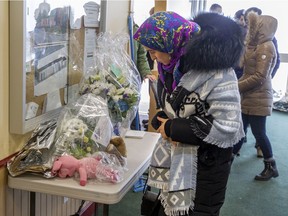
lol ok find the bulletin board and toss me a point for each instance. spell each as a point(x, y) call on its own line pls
point(47, 58)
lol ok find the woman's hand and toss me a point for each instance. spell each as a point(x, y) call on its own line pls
point(151, 77)
point(161, 129)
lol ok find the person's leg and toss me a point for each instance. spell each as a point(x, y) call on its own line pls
point(237, 147)
point(258, 127)
point(259, 151)
point(213, 171)
point(135, 122)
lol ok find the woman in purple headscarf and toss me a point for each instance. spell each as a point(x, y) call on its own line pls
point(200, 119)
point(164, 35)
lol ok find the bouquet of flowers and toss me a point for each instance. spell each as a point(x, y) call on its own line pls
point(121, 98)
point(83, 130)
point(114, 78)
point(37, 155)
point(84, 127)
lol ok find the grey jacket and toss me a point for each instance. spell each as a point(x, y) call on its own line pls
point(259, 60)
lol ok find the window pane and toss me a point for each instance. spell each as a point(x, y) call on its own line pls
point(274, 8)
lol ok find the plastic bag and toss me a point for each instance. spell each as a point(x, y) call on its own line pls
point(37, 155)
point(100, 167)
point(115, 78)
point(108, 168)
point(84, 127)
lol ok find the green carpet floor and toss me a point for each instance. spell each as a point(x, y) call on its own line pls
point(244, 196)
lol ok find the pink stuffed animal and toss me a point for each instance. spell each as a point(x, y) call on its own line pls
point(89, 167)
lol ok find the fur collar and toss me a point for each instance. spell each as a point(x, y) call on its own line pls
point(219, 44)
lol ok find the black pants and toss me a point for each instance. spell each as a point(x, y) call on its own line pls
point(258, 128)
point(213, 171)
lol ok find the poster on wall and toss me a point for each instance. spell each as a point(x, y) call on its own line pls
point(50, 40)
point(42, 65)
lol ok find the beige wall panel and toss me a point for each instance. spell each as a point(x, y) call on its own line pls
point(117, 16)
point(4, 75)
point(4, 99)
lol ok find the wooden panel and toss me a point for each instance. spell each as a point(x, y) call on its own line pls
point(4, 93)
point(152, 105)
point(160, 5)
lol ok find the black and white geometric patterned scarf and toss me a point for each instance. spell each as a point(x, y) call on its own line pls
point(173, 168)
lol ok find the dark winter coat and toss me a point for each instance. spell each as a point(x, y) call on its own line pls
point(259, 60)
point(207, 51)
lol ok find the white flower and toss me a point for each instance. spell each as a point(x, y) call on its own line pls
point(120, 91)
point(96, 91)
point(116, 97)
point(129, 91)
point(74, 128)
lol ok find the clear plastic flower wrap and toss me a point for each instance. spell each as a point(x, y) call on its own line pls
point(83, 132)
point(116, 78)
point(84, 127)
point(108, 168)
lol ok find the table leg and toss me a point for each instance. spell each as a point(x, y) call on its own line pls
point(105, 209)
point(32, 203)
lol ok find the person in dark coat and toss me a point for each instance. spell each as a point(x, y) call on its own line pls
point(240, 20)
point(200, 120)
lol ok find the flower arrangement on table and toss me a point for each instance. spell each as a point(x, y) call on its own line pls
point(121, 97)
point(82, 131)
point(84, 127)
point(116, 79)
point(79, 139)
point(110, 95)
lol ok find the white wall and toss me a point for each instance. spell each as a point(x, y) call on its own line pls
point(117, 16)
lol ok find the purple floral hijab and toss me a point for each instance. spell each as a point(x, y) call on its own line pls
point(166, 32)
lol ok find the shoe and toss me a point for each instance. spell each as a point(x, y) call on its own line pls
point(259, 152)
point(270, 170)
point(145, 121)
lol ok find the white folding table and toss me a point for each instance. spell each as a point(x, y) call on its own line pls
point(139, 153)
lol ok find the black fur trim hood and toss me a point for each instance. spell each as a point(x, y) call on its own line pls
point(219, 44)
